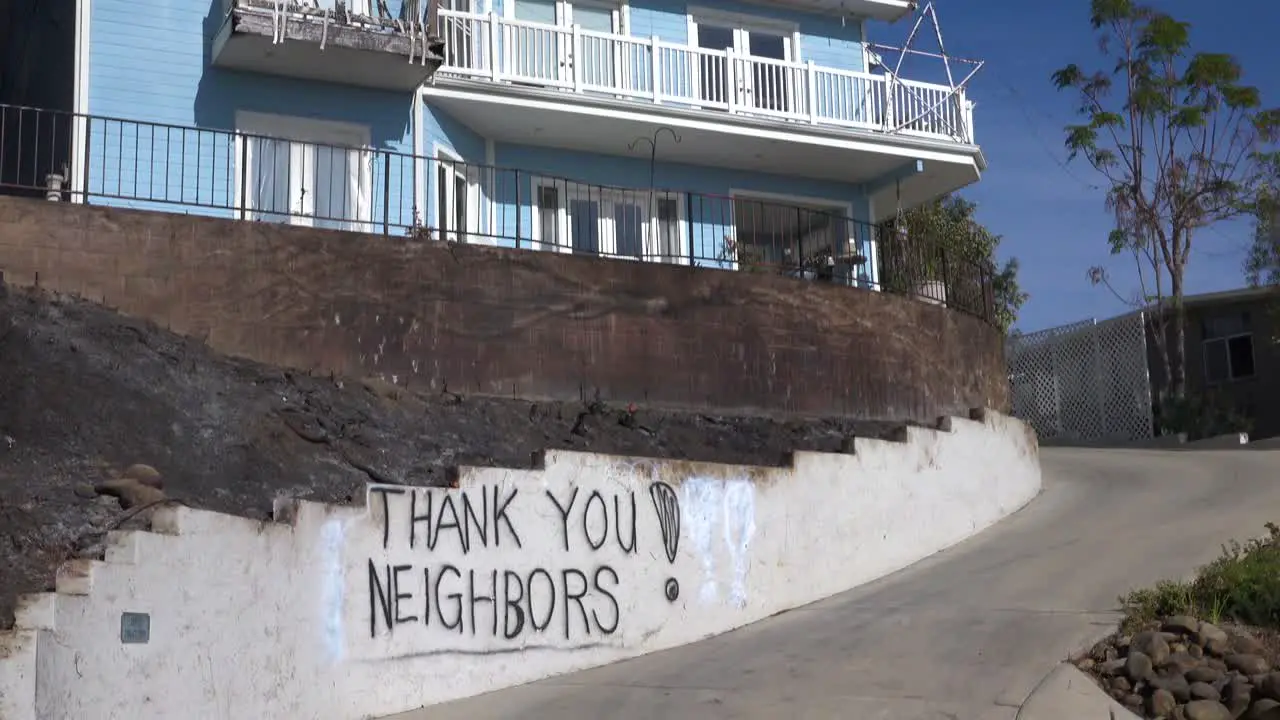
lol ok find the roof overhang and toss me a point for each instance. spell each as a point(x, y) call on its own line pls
point(884, 10)
point(894, 170)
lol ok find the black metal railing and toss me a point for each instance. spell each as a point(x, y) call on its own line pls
point(254, 177)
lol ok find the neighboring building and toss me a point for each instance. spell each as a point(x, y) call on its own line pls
point(549, 124)
point(1100, 381)
point(1233, 358)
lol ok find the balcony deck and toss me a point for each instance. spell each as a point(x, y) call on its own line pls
point(647, 70)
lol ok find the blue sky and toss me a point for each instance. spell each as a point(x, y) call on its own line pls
point(1049, 211)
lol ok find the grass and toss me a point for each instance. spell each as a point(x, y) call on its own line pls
point(1241, 586)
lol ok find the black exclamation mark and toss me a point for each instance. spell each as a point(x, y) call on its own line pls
point(667, 506)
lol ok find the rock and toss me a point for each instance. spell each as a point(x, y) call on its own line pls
point(1121, 684)
point(1152, 644)
point(1204, 691)
point(1264, 709)
point(1133, 700)
point(1195, 651)
point(144, 474)
point(130, 492)
point(1138, 666)
point(1212, 638)
point(1248, 664)
point(1181, 662)
point(1112, 667)
point(1216, 664)
point(1086, 664)
point(1183, 624)
point(1175, 684)
point(1161, 703)
point(1269, 686)
point(1207, 710)
point(1247, 644)
point(1103, 651)
point(1177, 647)
point(1205, 674)
point(1238, 695)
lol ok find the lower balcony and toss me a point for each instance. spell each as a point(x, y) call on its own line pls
point(348, 43)
point(413, 198)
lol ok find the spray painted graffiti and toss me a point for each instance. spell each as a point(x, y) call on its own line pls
point(667, 506)
point(454, 561)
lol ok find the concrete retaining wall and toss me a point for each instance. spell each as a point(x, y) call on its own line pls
point(426, 595)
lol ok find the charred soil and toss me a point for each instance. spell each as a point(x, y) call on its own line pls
point(85, 393)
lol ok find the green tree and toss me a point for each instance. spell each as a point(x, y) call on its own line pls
point(1182, 143)
point(948, 233)
point(1262, 264)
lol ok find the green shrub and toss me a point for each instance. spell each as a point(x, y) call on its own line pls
point(1242, 585)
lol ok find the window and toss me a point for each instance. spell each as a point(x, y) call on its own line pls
point(1228, 348)
point(605, 221)
point(305, 172)
point(457, 199)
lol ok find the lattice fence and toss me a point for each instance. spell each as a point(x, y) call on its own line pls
point(1086, 381)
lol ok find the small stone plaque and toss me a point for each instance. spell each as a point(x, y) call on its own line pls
point(135, 628)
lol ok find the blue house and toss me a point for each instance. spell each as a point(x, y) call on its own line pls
point(708, 132)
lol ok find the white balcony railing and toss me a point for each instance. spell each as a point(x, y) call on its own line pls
point(494, 48)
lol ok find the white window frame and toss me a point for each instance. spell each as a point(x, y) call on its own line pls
point(1225, 341)
point(651, 250)
point(303, 135)
point(452, 162)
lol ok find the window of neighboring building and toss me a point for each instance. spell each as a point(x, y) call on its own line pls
point(303, 171)
point(1228, 347)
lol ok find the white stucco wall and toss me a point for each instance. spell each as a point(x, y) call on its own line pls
point(350, 612)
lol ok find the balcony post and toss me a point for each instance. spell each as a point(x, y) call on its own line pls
point(575, 51)
point(656, 75)
point(494, 28)
point(890, 101)
point(811, 100)
point(731, 84)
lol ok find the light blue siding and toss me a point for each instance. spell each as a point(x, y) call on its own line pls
point(149, 63)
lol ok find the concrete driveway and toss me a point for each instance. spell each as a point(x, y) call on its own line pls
point(966, 634)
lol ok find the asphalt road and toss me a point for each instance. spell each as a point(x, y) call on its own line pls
point(967, 634)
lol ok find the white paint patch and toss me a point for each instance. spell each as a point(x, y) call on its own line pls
point(723, 508)
point(332, 542)
point(739, 529)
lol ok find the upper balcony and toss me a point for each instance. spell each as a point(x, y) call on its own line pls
point(348, 43)
point(747, 108)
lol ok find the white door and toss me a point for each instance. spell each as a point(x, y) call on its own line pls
point(457, 201)
point(612, 223)
point(752, 82)
point(306, 172)
point(598, 58)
